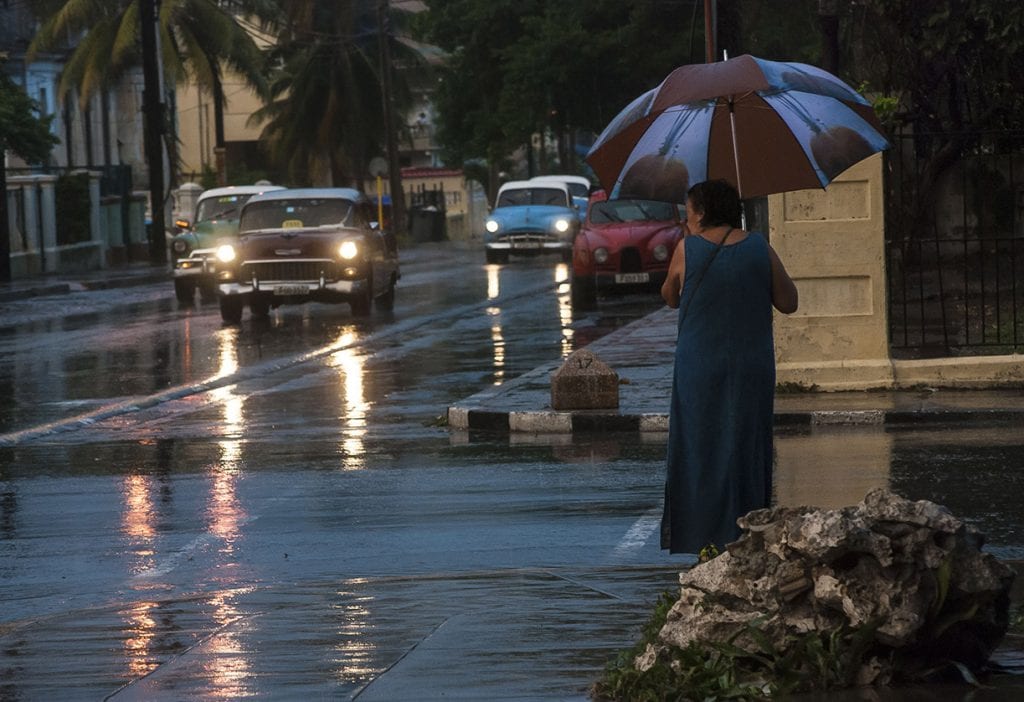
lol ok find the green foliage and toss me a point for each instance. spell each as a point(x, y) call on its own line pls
point(208, 178)
point(707, 553)
point(200, 39)
point(325, 114)
point(756, 669)
point(1017, 620)
point(71, 195)
point(22, 130)
point(954, 63)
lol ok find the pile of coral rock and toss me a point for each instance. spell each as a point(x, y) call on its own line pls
point(909, 570)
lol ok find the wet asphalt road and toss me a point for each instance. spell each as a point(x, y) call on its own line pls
point(287, 520)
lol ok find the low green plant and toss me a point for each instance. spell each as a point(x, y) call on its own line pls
point(440, 420)
point(726, 670)
point(1017, 620)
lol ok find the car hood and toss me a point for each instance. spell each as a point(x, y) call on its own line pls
point(621, 234)
point(521, 214)
point(295, 243)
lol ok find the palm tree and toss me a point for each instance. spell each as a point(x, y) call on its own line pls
point(200, 39)
point(325, 117)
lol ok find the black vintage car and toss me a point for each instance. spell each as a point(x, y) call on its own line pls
point(307, 244)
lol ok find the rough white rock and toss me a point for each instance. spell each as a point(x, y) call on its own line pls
point(882, 563)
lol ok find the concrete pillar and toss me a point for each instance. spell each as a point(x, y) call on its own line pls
point(832, 242)
point(28, 192)
point(48, 225)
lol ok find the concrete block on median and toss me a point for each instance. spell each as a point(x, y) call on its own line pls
point(584, 382)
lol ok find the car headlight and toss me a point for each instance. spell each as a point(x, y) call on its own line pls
point(226, 253)
point(348, 250)
point(180, 246)
point(561, 225)
point(492, 225)
point(601, 255)
point(660, 252)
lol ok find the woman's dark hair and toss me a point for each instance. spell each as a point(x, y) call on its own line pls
point(719, 202)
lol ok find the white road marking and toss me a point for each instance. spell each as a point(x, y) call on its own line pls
point(638, 534)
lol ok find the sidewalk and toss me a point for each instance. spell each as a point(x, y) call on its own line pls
point(125, 275)
point(642, 354)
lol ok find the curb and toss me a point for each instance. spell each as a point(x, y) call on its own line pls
point(596, 421)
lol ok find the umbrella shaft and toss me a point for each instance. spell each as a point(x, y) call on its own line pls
point(735, 147)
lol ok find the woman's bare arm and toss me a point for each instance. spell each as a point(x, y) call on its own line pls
point(785, 297)
point(673, 285)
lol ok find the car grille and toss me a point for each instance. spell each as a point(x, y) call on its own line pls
point(629, 260)
point(288, 270)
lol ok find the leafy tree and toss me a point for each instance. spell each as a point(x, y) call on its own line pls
point(200, 40)
point(27, 135)
point(570, 67)
point(326, 110)
point(953, 67)
point(476, 36)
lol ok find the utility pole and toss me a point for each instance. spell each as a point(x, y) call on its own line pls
point(398, 218)
point(828, 20)
point(710, 29)
point(153, 128)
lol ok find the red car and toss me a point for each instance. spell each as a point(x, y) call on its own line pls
point(624, 245)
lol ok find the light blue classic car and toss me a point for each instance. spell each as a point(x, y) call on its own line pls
point(531, 218)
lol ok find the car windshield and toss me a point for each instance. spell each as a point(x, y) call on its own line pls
point(223, 207)
point(532, 196)
point(632, 211)
point(578, 189)
point(299, 213)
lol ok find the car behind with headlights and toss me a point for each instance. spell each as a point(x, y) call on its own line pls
point(624, 245)
point(307, 244)
point(579, 189)
point(192, 250)
point(530, 218)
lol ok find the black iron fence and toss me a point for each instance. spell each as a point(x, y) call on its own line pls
point(955, 244)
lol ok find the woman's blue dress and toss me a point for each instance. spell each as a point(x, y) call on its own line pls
point(720, 419)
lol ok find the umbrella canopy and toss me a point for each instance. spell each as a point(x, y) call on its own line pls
point(764, 126)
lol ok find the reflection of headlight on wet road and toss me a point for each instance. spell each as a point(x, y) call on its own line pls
point(492, 226)
point(226, 253)
point(562, 225)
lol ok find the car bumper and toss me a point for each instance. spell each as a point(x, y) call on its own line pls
point(527, 244)
point(295, 288)
point(196, 266)
point(611, 281)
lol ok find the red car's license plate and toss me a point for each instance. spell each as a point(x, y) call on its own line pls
point(632, 277)
point(290, 290)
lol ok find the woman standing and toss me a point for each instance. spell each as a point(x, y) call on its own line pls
point(724, 281)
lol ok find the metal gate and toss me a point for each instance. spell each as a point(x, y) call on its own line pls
point(955, 244)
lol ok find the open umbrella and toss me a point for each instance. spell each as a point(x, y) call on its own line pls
point(764, 126)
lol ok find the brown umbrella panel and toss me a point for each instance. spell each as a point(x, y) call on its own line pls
point(785, 138)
